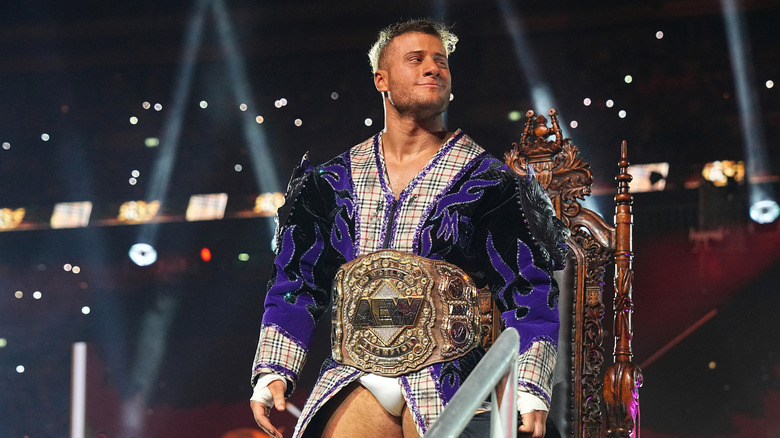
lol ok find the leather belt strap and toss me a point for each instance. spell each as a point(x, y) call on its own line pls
point(395, 312)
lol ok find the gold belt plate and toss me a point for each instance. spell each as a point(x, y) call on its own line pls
point(396, 312)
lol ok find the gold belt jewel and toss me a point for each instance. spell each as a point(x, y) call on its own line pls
point(395, 312)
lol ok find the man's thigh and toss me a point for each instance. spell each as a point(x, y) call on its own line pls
point(355, 413)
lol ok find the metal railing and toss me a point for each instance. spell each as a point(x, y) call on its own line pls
point(500, 361)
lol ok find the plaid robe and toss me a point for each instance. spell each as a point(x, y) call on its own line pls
point(465, 207)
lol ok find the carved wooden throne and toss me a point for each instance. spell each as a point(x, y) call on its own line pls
point(590, 397)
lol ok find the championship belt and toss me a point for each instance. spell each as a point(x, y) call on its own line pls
point(395, 312)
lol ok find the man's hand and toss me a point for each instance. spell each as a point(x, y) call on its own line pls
point(262, 412)
point(534, 424)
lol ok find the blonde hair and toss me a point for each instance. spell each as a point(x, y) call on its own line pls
point(422, 25)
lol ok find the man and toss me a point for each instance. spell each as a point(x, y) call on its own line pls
point(403, 228)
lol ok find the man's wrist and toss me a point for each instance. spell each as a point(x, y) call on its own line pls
point(527, 402)
point(261, 392)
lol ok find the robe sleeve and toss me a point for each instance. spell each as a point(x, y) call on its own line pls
point(522, 243)
point(299, 289)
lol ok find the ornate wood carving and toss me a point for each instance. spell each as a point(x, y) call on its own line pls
point(589, 308)
point(623, 378)
point(556, 164)
point(567, 178)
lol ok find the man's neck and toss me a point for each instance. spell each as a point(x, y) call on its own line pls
point(406, 138)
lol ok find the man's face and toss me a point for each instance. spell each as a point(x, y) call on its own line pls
point(415, 74)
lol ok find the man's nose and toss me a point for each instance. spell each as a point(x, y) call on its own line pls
point(431, 68)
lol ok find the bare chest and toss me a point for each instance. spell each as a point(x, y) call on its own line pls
point(401, 174)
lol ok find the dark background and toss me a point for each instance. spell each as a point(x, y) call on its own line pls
point(172, 343)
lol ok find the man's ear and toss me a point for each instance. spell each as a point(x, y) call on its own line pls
point(380, 80)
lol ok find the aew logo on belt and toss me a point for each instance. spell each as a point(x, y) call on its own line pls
point(387, 312)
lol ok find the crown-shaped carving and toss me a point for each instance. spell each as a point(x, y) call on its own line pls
point(555, 162)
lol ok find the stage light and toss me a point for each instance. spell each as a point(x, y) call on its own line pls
point(138, 211)
point(20, 369)
point(203, 104)
point(205, 254)
point(719, 172)
point(67, 267)
point(659, 35)
point(298, 122)
point(133, 120)
point(18, 294)
point(157, 107)
point(135, 173)
point(85, 310)
point(610, 103)
point(259, 119)
point(574, 124)
point(649, 177)
point(244, 257)
point(238, 168)
point(514, 115)
point(765, 212)
point(71, 214)
point(334, 95)
point(586, 101)
point(622, 114)
point(769, 84)
point(368, 121)
point(206, 207)
point(10, 219)
point(6, 145)
point(75, 270)
point(152, 142)
point(628, 79)
point(3, 342)
point(45, 137)
point(132, 181)
point(242, 107)
point(146, 105)
point(142, 254)
point(37, 295)
point(268, 203)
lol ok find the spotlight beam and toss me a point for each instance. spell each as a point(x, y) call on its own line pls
point(254, 135)
point(541, 94)
point(261, 158)
point(163, 165)
point(749, 111)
